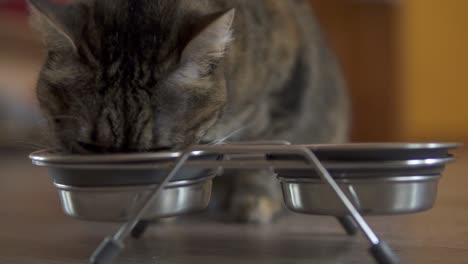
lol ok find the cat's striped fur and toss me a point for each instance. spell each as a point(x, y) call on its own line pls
point(140, 75)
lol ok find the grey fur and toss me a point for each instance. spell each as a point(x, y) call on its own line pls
point(148, 74)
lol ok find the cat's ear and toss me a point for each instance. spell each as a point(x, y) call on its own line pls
point(60, 23)
point(208, 47)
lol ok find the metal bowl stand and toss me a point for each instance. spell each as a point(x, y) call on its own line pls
point(111, 247)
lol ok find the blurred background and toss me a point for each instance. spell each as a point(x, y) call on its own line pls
point(406, 64)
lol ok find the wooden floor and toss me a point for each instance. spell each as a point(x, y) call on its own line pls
point(34, 230)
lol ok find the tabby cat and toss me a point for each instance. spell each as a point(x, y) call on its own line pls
point(148, 75)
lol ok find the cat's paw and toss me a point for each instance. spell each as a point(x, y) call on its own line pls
point(254, 208)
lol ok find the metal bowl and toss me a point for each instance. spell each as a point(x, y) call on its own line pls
point(380, 179)
point(118, 203)
point(370, 196)
point(112, 187)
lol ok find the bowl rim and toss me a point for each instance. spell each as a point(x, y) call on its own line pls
point(364, 179)
point(385, 146)
point(329, 165)
point(52, 155)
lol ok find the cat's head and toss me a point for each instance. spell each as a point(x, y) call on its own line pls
point(124, 76)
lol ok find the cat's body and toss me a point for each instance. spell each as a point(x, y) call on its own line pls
point(147, 74)
point(282, 82)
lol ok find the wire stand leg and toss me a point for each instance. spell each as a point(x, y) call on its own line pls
point(380, 250)
point(348, 225)
point(112, 246)
point(139, 229)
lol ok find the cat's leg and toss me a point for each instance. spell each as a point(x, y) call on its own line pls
point(309, 111)
point(246, 196)
point(220, 195)
point(256, 197)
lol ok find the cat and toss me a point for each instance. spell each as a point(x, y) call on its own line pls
point(149, 75)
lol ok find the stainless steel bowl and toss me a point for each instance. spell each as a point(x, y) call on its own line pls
point(370, 195)
point(112, 187)
point(118, 203)
point(380, 179)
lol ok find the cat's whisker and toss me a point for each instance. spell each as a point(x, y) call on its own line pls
point(230, 135)
point(29, 145)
